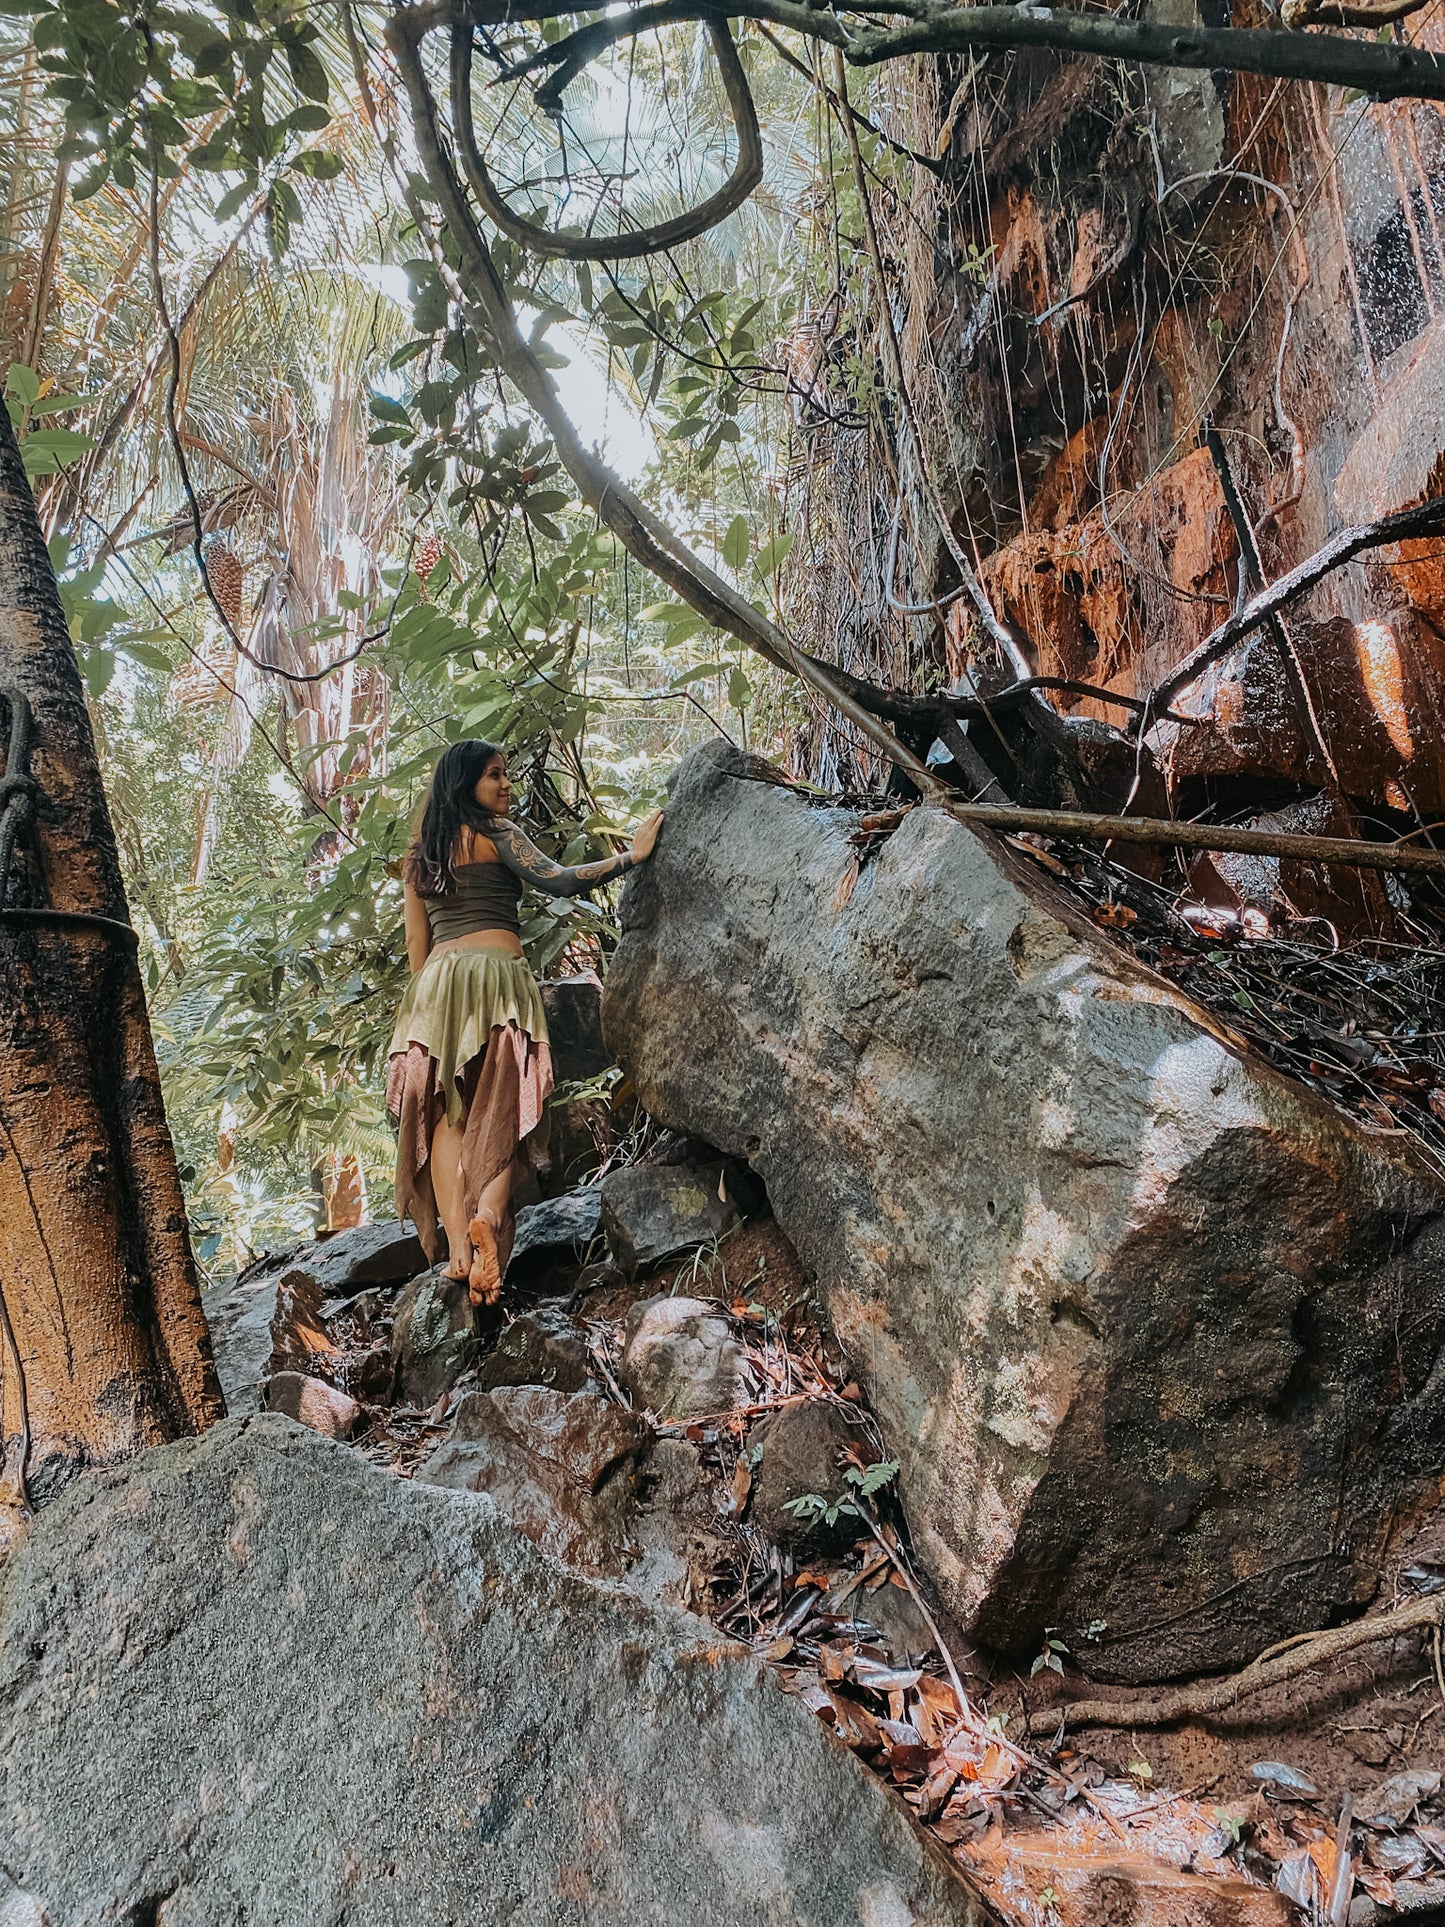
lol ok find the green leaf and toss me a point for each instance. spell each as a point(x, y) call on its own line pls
point(232, 199)
point(736, 543)
point(307, 71)
point(148, 655)
point(388, 410)
point(318, 164)
point(22, 382)
point(51, 448)
point(740, 690)
point(97, 666)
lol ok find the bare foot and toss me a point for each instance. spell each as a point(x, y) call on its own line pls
point(485, 1276)
point(459, 1265)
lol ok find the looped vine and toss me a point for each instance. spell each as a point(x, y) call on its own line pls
point(654, 239)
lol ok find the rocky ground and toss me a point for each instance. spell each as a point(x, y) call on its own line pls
point(921, 1510)
point(660, 1404)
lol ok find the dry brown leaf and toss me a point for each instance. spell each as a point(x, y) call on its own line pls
point(846, 884)
point(742, 1486)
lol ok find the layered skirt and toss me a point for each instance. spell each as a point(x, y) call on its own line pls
point(470, 1043)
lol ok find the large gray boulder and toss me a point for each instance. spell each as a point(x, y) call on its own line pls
point(251, 1678)
point(1156, 1334)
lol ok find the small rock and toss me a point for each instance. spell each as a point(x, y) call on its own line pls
point(1395, 1800)
point(798, 1452)
point(370, 1254)
point(540, 1348)
point(1286, 1782)
point(311, 1401)
point(562, 1468)
point(552, 1239)
point(680, 1358)
point(298, 1325)
point(652, 1212)
point(432, 1335)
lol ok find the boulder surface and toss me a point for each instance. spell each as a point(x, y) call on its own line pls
point(251, 1678)
point(1156, 1334)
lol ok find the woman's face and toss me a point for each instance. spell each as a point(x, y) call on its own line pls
point(493, 789)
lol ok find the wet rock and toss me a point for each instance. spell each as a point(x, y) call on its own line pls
point(563, 1467)
point(311, 1401)
point(298, 1325)
point(574, 1020)
point(797, 1452)
point(370, 1254)
point(239, 1315)
point(1125, 1301)
point(678, 1547)
point(500, 1739)
point(240, 1312)
point(552, 1239)
point(433, 1336)
point(543, 1347)
point(680, 1359)
point(651, 1212)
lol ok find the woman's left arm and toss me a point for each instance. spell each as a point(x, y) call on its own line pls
point(417, 925)
point(522, 857)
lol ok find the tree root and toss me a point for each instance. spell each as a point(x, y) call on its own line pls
point(1202, 1702)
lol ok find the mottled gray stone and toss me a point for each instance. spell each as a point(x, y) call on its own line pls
point(1156, 1333)
point(433, 1337)
point(249, 1678)
point(553, 1236)
point(652, 1212)
point(680, 1358)
point(543, 1347)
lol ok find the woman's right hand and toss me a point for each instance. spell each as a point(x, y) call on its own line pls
point(644, 840)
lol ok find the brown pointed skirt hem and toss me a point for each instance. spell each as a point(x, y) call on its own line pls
point(471, 1044)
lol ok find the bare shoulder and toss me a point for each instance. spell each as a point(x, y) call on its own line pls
point(474, 847)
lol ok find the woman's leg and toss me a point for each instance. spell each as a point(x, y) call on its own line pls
point(446, 1174)
point(486, 1271)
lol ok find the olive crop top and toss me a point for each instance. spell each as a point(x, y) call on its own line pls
point(486, 895)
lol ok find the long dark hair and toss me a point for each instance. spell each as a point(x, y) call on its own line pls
point(450, 803)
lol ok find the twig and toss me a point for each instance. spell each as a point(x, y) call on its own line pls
point(1219, 1696)
point(901, 1566)
point(1343, 1885)
point(1425, 518)
point(1197, 836)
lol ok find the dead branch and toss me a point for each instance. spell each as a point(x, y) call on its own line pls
point(655, 239)
point(1220, 1695)
point(1385, 72)
point(1340, 13)
point(1397, 71)
point(1351, 851)
point(1425, 518)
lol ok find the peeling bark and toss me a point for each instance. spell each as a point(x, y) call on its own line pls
point(95, 1262)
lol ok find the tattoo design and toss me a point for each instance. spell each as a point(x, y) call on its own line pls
point(522, 857)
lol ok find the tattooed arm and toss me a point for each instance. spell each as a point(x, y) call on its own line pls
point(522, 857)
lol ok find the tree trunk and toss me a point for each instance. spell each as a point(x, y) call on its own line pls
point(103, 1345)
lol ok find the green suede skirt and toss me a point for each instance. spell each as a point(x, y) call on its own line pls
point(453, 1005)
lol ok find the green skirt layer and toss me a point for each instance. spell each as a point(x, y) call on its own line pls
point(454, 1003)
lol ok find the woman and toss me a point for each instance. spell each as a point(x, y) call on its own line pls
point(471, 1068)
